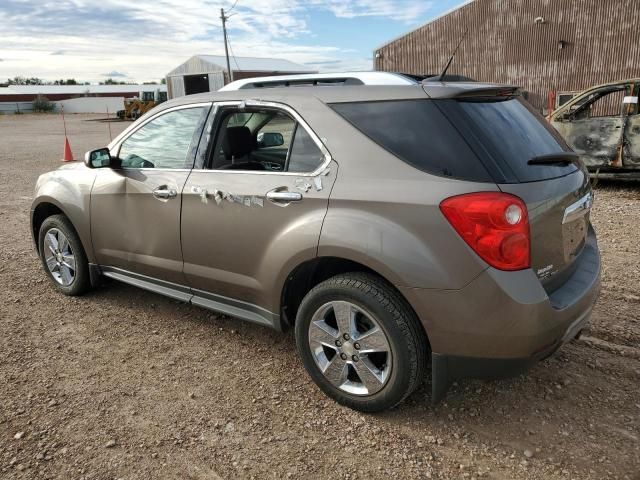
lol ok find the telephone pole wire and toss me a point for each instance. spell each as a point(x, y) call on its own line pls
point(224, 18)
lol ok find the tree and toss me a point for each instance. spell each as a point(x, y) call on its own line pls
point(24, 81)
point(69, 81)
point(111, 81)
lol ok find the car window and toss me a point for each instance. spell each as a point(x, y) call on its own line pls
point(266, 139)
point(418, 133)
point(513, 133)
point(239, 119)
point(305, 155)
point(167, 141)
point(602, 103)
point(278, 124)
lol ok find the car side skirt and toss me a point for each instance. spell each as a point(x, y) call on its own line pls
point(217, 303)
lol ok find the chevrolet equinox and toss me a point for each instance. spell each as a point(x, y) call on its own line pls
point(392, 227)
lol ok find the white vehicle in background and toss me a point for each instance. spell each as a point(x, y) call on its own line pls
point(324, 79)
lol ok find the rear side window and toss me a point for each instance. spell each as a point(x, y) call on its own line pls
point(512, 134)
point(305, 155)
point(417, 132)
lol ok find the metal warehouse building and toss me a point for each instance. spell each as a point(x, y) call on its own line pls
point(208, 73)
point(541, 45)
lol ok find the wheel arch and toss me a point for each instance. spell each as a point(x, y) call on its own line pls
point(46, 208)
point(312, 272)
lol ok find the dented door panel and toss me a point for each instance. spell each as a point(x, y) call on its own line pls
point(595, 139)
point(131, 228)
point(240, 244)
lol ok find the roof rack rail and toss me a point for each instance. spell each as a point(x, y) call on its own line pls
point(324, 79)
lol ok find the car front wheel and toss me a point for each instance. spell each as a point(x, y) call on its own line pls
point(361, 342)
point(62, 256)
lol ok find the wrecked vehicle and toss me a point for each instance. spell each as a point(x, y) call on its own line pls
point(602, 125)
point(388, 225)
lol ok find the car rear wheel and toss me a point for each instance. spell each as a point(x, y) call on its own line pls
point(360, 342)
point(63, 257)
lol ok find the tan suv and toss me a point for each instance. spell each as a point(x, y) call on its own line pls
point(388, 225)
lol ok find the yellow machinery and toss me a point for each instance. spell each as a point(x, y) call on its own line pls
point(137, 106)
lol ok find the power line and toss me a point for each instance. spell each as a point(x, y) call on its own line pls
point(235, 60)
point(233, 6)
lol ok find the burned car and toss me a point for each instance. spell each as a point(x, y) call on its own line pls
point(602, 124)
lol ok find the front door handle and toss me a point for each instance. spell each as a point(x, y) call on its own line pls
point(164, 193)
point(283, 197)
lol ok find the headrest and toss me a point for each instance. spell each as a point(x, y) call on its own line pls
point(238, 142)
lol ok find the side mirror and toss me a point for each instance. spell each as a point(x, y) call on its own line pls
point(98, 158)
point(269, 139)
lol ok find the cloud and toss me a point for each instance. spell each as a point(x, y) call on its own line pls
point(113, 74)
point(402, 10)
point(147, 38)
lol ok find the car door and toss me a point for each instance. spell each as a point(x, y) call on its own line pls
point(135, 206)
point(593, 126)
point(631, 157)
point(257, 209)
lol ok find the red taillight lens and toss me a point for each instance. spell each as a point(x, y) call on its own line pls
point(495, 225)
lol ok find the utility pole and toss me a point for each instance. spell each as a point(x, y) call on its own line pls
point(226, 48)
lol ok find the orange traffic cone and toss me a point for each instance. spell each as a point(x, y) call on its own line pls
point(67, 156)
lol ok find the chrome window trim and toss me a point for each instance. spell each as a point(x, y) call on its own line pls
point(115, 145)
point(297, 118)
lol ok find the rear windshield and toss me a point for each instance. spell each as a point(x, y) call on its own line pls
point(513, 133)
point(417, 132)
point(491, 140)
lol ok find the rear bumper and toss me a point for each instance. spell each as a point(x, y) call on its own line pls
point(503, 322)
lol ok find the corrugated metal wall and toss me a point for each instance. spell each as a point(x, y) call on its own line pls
point(216, 81)
point(176, 87)
point(505, 44)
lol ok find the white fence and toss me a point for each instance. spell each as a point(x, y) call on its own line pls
point(91, 105)
point(73, 105)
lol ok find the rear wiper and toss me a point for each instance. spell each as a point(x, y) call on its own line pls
point(562, 158)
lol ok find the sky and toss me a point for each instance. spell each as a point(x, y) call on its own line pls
point(142, 40)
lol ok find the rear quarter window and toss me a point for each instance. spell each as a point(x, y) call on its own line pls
point(417, 132)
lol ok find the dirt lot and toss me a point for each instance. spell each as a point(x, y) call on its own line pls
point(123, 383)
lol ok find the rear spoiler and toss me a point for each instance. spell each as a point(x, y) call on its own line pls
point(470, 90)
point(503, 92)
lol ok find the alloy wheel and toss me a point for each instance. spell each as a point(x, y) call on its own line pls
point(59, 257)
point(350, 348)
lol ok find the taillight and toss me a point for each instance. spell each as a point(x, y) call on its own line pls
point(495, 225)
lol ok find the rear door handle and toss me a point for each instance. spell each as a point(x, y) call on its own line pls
point(283, 197)
point(164, 193)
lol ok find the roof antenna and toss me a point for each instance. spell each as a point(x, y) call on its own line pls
point(440, 77)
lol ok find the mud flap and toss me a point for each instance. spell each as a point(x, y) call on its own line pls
point(95, 275)
point(440, 379)
point(445, 369)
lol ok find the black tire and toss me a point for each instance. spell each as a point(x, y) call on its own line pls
point(408, 342)
point(81, 281)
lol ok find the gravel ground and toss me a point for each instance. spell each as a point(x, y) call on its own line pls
point(123, 383)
